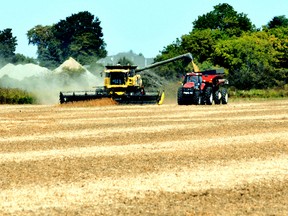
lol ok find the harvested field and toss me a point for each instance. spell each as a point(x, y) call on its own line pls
point(144, 160)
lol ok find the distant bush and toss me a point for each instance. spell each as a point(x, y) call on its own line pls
point(16, 96)
point(259, 93)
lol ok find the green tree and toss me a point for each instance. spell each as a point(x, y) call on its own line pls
point(278, 21)
point(201, 43)
point(21, 59)
point(8, 45)
point(225, 38)
point(250, 60)
point(175, 69)
point(226, 19)
point(278, 37)
point(47, 45)
point(198, 42)
point(221, 23)
point(79, 36)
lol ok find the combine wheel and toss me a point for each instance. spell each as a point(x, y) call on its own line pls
point(217, 97)
point(224, 98)
point(196, 97)
point(61, 98)
point(208, 96)
point(180, 99)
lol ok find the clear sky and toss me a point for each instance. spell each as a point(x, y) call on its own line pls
point(144, 26)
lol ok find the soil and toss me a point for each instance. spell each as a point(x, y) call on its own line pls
point(144, 160)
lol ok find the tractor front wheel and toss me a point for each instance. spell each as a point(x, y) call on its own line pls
point(196, 97)
point(180, 99)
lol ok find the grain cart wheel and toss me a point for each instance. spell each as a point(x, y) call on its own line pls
point(196, 97)
point(217, 97)
point(224, 98)
point(180, 99)
point(208, 96)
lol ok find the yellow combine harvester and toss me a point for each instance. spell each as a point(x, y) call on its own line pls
point(124, 85)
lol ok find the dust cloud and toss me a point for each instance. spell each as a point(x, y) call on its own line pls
point(46, 84)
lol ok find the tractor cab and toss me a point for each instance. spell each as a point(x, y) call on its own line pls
point(192, 80)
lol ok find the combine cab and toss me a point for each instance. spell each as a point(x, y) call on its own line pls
point(124, 85)
point(203, 88)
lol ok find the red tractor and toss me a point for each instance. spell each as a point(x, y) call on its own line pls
point(203, 88)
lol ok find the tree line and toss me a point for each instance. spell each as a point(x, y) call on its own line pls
point(79, 36)
point(252, 58)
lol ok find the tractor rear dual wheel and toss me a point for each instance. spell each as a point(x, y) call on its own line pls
point(217, 97)
point(209, 96)
point(224, 96)
point(180, 99)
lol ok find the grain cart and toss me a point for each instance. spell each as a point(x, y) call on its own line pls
point(124, 85)
point(203, 88)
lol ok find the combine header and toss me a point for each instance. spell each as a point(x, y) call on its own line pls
point(124, 85)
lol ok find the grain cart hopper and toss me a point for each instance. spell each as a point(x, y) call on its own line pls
point(124, 85)
point(203, 88)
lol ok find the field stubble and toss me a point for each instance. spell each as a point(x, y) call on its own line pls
point(145, 160)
